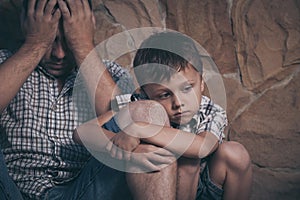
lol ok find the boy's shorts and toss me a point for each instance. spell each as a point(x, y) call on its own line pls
point(206, 190)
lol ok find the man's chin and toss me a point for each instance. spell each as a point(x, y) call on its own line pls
point(58, 74)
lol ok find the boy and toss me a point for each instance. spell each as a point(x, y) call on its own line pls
point(168, 69)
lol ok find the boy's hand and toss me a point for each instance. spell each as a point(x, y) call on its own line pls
point(40, 23)
point(149, 158)
point(78, 25)
point(122, 145)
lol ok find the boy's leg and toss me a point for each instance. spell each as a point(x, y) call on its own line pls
point(8, 189)
point(155, 185)
point(230, 168)
point(188, 172)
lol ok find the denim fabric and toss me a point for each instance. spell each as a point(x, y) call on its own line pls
point(207, 190)
point(8, 189)
point(112, 125)
point(95, 181)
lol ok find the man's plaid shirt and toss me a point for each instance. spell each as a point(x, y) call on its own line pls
point(37, 126)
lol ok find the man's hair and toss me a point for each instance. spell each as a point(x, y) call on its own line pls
point(163, 54)
point(25, 4)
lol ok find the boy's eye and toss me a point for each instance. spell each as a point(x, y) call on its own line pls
point(187, 88)
point(164, 95)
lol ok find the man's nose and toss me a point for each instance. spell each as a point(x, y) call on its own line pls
point(58, 50)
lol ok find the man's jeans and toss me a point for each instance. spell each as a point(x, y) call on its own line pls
point(95, 181)
point(8, 189)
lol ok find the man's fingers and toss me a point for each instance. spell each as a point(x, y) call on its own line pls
point(74, 6)
point(40, 6)
point(50, 7)
point(86, 5)
point(57, 15)
point(64, 9)
point(31, 6)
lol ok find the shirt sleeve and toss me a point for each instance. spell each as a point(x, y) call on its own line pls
point(121, 77)
point(214, 118)
point(4, 54)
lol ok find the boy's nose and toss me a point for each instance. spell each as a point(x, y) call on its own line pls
point(176, 103)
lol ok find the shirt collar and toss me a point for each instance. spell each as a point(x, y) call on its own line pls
point(72, 79)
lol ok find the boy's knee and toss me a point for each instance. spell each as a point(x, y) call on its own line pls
point(143, 111)
point(236, 156)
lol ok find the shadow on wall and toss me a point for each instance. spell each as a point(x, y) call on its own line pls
point(11, 35)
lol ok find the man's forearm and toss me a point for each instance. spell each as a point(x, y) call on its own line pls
point(101, 87)
point(99, 82)
point(92, 132)
point(15, 70)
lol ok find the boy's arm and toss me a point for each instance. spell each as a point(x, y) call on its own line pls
point(145, 156)
point(209, 132)
point(175, 140)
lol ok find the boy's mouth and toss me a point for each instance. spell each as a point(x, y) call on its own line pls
point(181, 114)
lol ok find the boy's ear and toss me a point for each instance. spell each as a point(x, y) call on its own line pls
point(202, 85)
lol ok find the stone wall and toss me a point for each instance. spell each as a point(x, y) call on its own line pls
point(256, 46)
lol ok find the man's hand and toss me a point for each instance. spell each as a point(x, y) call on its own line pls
point(149, 158)
point(121, 145)
point(40, 23)
point(78, 25)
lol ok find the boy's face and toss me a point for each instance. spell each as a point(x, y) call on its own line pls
point(180, 96)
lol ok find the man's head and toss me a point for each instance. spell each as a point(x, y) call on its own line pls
point(58, 60)
point(168, 68)
point(25, 4)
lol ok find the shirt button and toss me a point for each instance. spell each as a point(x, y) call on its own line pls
point(55, 137)
point(54, 107)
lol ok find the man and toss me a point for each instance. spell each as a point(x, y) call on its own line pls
point(37, 111)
